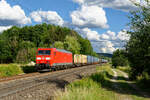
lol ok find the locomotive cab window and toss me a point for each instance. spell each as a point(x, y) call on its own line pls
point(44, 52)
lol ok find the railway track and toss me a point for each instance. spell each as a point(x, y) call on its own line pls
point(26, 83)
point(6, 79)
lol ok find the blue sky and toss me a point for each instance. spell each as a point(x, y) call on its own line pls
point(117, 19)
point(97, 20)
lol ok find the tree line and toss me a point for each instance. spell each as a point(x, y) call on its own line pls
point(19, 44)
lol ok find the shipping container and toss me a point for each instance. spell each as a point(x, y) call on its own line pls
point(77, 59)
point(84, 59)
point(89, 59)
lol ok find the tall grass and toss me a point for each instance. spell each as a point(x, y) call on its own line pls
point(86, 89)
point(9, 70)
point(89, 88)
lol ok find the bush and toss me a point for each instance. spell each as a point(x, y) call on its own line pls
point(99, 77)
point(9, 70)
point(28, 69)
point(143, 81)
point(119, 58)
point(144, 78)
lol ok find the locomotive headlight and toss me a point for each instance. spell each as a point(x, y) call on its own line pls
point(38, 58)
point(48, 58)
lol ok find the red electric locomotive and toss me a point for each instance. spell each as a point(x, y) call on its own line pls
point(52, 58)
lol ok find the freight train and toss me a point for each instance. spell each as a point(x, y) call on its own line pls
point(51, 59)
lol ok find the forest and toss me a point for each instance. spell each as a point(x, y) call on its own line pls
point(19, 44)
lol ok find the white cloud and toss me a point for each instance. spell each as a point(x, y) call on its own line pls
point(122, 35)
point(50, 17)
point(108, 47)
point(79, 1)
point(2, 28)
point(104, 36)
point(87, 33)
point(112, 34)
point(107, 42)
point(89, 16)
point(12, 15)
point(109, 35)
point(124, 5)
point(104, 46)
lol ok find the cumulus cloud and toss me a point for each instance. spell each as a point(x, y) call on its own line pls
point(107, 42)
point(89, 34)
point(104, 46)
point(12, 15)
point(2, 28)
point(89, 16)
point(122, 35)
point(104, 36)
point(124, 5)
point(50, 17)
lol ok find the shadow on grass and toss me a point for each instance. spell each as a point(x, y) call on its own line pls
point(144, 85)
point(124, 88)
point(28, 69)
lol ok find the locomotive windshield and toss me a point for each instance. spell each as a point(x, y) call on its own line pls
point(44, 52)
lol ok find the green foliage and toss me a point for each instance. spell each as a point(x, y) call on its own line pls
point(119, 58)
point(15, 69)
point(19, 44)
point(26, 55)
point(138, 47)
point(9, 70)
point(86, 47)
point(5, 52)
point(59, 45)
point(143, 81)
point(26, 52)
point(22, 56)
point(72, 44)
point(26, 45)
